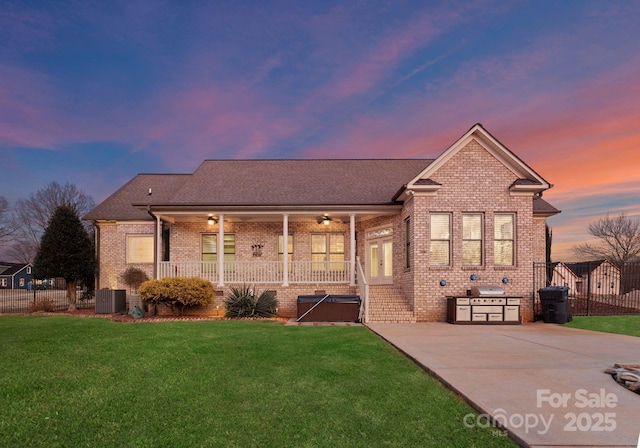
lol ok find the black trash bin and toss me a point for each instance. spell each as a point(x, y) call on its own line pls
point(555, 304)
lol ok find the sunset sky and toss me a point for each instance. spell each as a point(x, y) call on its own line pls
point(94, 92)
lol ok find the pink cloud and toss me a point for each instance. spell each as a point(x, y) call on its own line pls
point(26, 27)
point(27, 109)
point(210, 121)
point(367, 70)
point(36, 112)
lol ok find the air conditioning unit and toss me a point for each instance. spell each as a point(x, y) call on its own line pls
point(111, 301)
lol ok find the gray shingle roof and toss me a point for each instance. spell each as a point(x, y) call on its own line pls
point(270, 183)
point(297, 182)
point(118, 206)
point(9, 269)
point(542, 207)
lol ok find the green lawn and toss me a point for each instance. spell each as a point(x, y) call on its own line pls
point(629, 325)
point(68, 381)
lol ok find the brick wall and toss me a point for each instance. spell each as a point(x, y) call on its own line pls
point(186, 238)
point(113, 246)
point(473, 181)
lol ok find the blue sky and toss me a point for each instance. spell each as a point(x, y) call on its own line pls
point(95, 92)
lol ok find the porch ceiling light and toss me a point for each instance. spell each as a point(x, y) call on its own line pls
point(324, 219)
point(211, 220)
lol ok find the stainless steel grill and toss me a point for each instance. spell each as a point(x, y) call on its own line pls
point(487, 291)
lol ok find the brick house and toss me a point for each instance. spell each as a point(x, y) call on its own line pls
point(402, 233)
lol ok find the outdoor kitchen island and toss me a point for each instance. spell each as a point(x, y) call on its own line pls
point(484, 306)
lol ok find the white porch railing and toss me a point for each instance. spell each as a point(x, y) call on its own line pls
point(363, 286)
point(259, 271)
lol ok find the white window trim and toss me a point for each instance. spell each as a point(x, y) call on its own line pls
point(513, 240)
point(450, 216)
point(482, 238)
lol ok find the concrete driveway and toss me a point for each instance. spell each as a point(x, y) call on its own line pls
point(544, 382)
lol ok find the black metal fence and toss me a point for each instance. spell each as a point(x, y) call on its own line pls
point(596, 288)
point(38, 299)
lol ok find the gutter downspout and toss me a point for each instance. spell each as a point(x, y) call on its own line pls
point(156, 241)
point(96, 247)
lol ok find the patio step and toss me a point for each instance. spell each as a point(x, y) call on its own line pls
point(387, 304)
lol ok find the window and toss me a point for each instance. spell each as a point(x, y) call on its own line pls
point(3, 282)
point(210, 247)
point(21, 282)
point(289, 247)
point(289, 250)
point(140, 249)
point(503, 239)
point(472, 240)
point(28, 269)
point(440, 249)
point(407, 243)
point(327, 252)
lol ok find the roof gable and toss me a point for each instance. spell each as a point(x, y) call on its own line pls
point(527, 179)
point(11, 269)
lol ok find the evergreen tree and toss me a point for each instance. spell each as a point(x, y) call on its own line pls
point(66, 251)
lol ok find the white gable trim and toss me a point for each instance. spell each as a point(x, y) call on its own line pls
point(496, 149)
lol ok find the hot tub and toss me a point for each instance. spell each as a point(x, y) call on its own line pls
point(334, 308)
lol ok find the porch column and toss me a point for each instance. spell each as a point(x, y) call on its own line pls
point(352, 245)
point(157, 255)
point(220, 251)
point(285, 250)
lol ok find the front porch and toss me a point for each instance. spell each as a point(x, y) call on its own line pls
point(291, 254)
point(380, 303)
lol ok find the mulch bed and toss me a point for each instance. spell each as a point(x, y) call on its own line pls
point(120, 317)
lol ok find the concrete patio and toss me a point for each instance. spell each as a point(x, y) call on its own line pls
point(544, 382)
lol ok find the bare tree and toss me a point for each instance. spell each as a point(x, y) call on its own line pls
point(7, 227)
point(619, 240)
point(33, 214)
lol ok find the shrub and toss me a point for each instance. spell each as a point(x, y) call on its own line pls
point(241, 302)
point(134, 277)
point(177, 293)
point(43, 304)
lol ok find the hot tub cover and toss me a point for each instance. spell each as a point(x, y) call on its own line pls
point(332, 298)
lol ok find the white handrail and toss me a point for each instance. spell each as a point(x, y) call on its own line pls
point(363, 286)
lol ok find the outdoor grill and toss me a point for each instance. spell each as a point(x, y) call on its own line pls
point(484, 305)
point(487, 291)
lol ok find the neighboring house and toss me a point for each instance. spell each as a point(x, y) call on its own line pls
point(564, 276)
point(598, 277)
point(403, 234)
point(15, 275)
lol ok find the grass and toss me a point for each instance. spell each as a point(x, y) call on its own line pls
point(629, 325)
point(68, 381)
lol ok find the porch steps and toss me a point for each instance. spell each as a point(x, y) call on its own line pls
point(387, 304)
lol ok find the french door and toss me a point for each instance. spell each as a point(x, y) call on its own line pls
point(380, 261)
